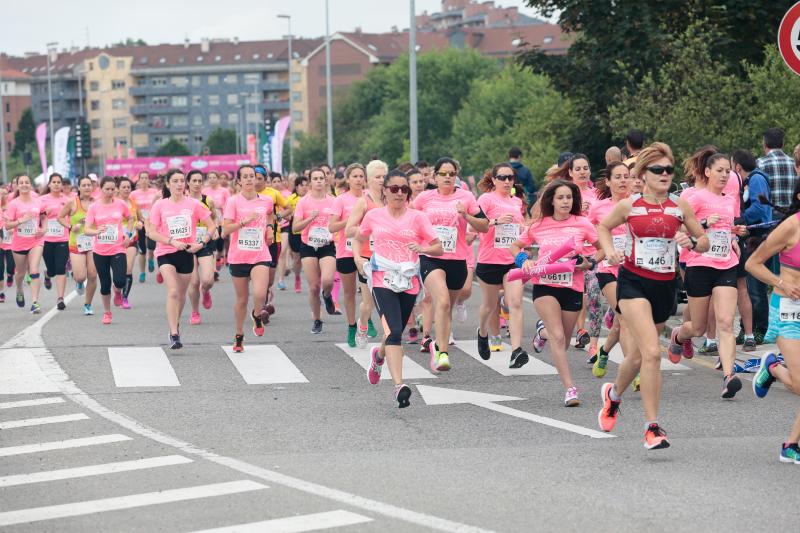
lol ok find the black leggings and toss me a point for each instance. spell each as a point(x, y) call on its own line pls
point(55, 255)
point(395, 308)
point(6, 263)
point(107, 265)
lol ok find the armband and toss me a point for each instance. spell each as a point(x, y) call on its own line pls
point(694, 243)
point(704, 223)
point(520, 259)
point(480, 214)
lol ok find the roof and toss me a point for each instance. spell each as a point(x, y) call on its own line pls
point(506, 40)
point(12, 74)
point(388, 46)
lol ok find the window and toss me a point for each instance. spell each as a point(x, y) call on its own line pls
point(8, 107)
point(94, 105)
point(94, 86)
point(295, 77)
point(213, 79)
point(233, 118)
point(160, 101)
point(117, 84)
point(548, 40)
point(232, 79)
point(180, 121)
point(119, 103)
point(120, 64)
point(158, 140)
point(197, 120)
point(297, 115)
point(237, 57)
point(252, 77)
point(197, 99)
point(297, 96)
point(195, 81)
point(213, 119)
point(162, 60)
point(120, 122)
point(179, 81)
point(182, 139)
point(217, 58)
point(232, 99)
point(122, 141)
point(158, 82)
point(198, 138)
point(8, 127)
point(95, 124)
point(213, 99)
point(275, 77)
point(97, 142)
point(180, 101)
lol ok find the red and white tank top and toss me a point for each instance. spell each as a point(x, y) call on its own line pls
point(650, 249)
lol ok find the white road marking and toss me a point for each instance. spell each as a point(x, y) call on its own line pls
point(50, 512)
point(263, 364)
point(499, 361)
point(93, 470)
point(62, 444)
point(30, 403)
point(19, 373)
point(411, 370)
point(42, 420)
point(616, 356)
point(296, 524)
point(141, 366)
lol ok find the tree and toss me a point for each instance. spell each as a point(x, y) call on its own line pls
point(775, 91)
point(173, 147)
point(310, 151)
point(130, 42)
point(221, 141)
point(25, 136)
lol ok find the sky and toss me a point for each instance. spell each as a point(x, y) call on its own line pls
point(28, 27)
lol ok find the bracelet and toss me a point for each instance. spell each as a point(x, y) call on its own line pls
point(520, 259)
point(780, 282)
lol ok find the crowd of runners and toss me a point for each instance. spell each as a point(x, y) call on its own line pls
point(399, 245)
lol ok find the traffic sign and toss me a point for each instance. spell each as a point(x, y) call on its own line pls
point(789, 38)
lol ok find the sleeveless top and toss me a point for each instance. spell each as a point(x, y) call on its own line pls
point(791, 257)
point(650, 248)
point(76, 218)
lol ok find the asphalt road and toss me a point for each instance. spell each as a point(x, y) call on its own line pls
point(292, 437)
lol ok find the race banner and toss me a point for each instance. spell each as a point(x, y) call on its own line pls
point(157, 165)
point(281, 127)
point(60, 157)
point(264, 151)
point(251, 148)
point(72, 162)
point(41, 139)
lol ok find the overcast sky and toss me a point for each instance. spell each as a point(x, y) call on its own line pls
point(28, 26)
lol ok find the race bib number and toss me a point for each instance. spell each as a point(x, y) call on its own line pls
point(656, 254)
point(348, 245)
point(789, 310)
point(562, 279)
point(720, 248)
point(145, 213)
point(84, 243)
point(109, 236)
point(505, 235)
point(447, 236)
point(619, 245)
point(7, 236)
point(54, 229)
point(27, 229)
point(319, 237)
point(180, 226)
point(250, 239)
point(200, 234)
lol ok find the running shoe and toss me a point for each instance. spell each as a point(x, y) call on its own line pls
point(281, 285)
point(268, 306)
point(599, 368)
point(207, 300)
point(87, 310)
point(216, 276)
point(655, 438)
point(749, 345)
point(195, 318)
point(688, 348)
point(460, 312)
point(675, 350)
point(571, 397)
point(718, 364)
point(763, 379)
point(375, 365)
point(117, 297)
point(608, 318)
point(175, 342)
point(159, 278)
point(790, 453)
point(496, 343)
point(28, 279)
point(107, 317)
point(484, 350)
point(238, 343)
point(151, 265)
point(9, 280)
point(591, 359)
point(315, 329)
point(740, 337)
point(581, 338)
point(20, 299)
point(36, 308)
point(709, 349)
point(265, 314)
point(48, 283)
point(371, 331)
point(607, 417)
point(402, 393)
point(759, 335)
point(519, 358)
point(142, 277)
point(730, 386)
point(125, 303)
point(425, 345)
point(60, 305)
point(452, 340)
point(351, 336)
point(80, 288)
point(330, 308)
point(443, 362)
point(258, 324)
point(413, 335)
point(538, 341)
point(637, 383)
point(298, 285)
point(2, 297)
point(361, 336)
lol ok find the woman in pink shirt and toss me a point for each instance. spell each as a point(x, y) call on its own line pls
point(23, 216)
point(110, 222)
point(247, 220)
point(172, 225)
point(203, 274)
point(345, 264)
point(56, 237)
point(449, 209)
point(317, 253)
point(124, 189)
point(6, 255)
point(144, 195)
point(399, 234)
point(219, 193)
point(558, 298)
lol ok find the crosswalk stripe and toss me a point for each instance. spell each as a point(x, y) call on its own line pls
point(30, 403)
point(499, 361)
point(50, 512)
point(11, 424)
point(411, 370)
point(93, 470)
point(62, 444)
point(141, 366)
point(20, 374)
point(296, 524)
point(264, 364)
point(616, 356)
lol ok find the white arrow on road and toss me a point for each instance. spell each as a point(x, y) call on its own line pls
point(442, 396)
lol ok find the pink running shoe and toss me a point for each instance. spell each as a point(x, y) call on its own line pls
point(195, 318)
point(298, 285)
point(159, 278)
point(207, 299)
point(117, 297)
point(375, 366)
point(125, 304)
point(609, 318)
point(107, 317)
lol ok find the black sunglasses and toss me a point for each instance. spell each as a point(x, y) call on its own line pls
point(394, 189)
point(659, 169)
point(504, 177)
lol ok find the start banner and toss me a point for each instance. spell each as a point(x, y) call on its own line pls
point(158, 165)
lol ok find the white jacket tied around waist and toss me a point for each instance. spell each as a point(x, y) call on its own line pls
point(397, 276)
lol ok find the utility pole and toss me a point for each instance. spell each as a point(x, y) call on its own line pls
point(50, 46)
point(291, 118)
point(3, 168)
point(412, 86)
point(328, 88)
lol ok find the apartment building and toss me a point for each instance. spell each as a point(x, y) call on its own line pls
point(15, 89)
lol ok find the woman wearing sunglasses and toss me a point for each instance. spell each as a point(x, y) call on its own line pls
point(400, 234)
point(713, 273)
point(505, 213)
point(450, 210)
point(645, 283)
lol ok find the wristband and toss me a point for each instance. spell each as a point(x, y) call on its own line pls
point(704, 223)
point(694, 243)
point(520, 259)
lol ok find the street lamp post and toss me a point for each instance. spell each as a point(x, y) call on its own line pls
point(412, 86)
point(50, 47)
point(3, 168)
point(291, 118)
point(328, 89)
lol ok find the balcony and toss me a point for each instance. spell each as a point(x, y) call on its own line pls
point(273, 86)
point(150, 109)
point(160, 90)
point(276, 105)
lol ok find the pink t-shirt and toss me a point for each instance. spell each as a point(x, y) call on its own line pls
point(248, 244)
point(220, 196)
point(317, 231)
point(25, 236)
point(342, 207)
point(494, 244)
point(549, 234)
point(393, 235)
point(144, 200)
point(597, 212)
point(732, 189)
point(177, 219)
point(5, 242)
point(448, 224)
point(683, 253)
point(112, 215)
point(720, 256)
point(51, 208)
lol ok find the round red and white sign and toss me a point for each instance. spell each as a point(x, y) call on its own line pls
point(789, 38)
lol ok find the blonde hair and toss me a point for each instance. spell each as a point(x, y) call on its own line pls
point(652, 153)
point(375, 166)
point(796, 155)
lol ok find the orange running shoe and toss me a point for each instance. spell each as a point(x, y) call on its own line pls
point(607, 417)
point(655, 438)
point(238, 343)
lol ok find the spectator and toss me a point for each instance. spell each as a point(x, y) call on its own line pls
point(779, 169)
point(524, 176)
point(634, 142)
point(613, 155)
point(427, 172)
point(796, 155)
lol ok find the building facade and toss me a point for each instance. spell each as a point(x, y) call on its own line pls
point(15, 89)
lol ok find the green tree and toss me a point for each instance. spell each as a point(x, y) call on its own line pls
point(25, 136)
point(310, 151)
point(775, 92)
point(221, 141)
point(173, 147)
